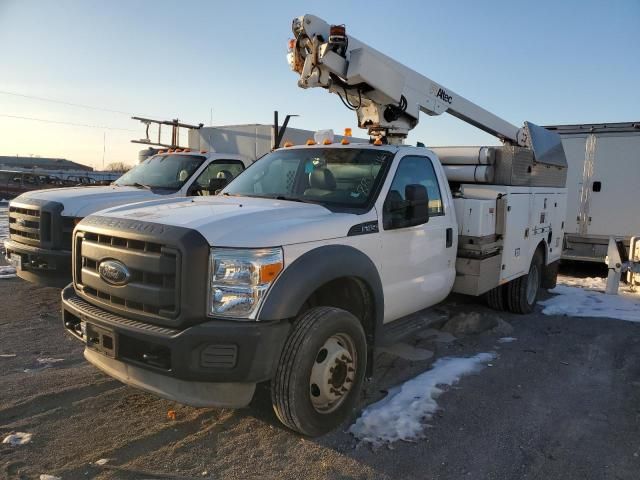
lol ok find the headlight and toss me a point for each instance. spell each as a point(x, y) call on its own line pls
point(239, 279)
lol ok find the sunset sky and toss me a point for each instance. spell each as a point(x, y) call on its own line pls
point(547, 62)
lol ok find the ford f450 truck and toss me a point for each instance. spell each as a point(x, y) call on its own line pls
point(41, 222)
point(317, 254)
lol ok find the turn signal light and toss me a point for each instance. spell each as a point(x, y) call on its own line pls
point(269, 272)
point(311, 142)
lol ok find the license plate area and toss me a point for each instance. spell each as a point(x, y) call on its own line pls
point(100, 339)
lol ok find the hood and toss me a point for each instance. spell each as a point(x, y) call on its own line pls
point(244, 221)
point(83, 201)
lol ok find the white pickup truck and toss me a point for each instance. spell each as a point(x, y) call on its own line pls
point(41, 222)
point(306, 262)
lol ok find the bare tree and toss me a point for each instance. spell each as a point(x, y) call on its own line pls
point(118, 167)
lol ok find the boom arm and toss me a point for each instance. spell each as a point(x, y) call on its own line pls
point(386, 95)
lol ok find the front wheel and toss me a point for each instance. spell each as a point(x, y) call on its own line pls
point(320, 373)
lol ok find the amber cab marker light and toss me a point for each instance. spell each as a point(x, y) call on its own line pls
point(203, 151)
point(186, 150)
point(160, 151)
point(344, 141)
point(326, 141)
point(311, 142)
point(347, 132)
point(288, 144)
point(377, 142)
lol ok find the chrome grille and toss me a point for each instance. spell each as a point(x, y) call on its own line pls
point(24, 225)
point(151, 291)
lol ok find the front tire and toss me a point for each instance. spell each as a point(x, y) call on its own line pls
point(522, 293)
point(320, 373)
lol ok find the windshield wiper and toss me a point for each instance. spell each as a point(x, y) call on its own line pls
point(285, 197)
point(139, 185)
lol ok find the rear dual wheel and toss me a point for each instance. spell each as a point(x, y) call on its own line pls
point(320, 373)
point(519, 295)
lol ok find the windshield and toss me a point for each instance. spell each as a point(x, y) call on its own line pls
point(330, 176)
point(162, 171)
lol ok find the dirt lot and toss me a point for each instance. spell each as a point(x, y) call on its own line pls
point(563, 401)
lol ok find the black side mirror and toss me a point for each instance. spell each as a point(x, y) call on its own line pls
point(217, 184)
point(407, 212)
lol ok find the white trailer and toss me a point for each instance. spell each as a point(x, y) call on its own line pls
point(603, 173)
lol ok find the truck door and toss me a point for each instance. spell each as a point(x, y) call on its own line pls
point(417, 262)
point(228, 169)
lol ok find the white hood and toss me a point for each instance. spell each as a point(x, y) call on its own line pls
point(83, 201)
point(244, 221)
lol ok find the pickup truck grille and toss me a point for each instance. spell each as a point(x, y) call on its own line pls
point(25, 225)
point(151, 291)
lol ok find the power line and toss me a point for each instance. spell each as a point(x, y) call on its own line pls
point(62, 102)
point(101, 127)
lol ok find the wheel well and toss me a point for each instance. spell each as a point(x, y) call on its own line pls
point(347, 293)
point(542, 247)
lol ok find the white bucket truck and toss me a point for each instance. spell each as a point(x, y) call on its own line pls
point(317, 254)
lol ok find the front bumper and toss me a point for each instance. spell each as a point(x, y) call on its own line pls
point(51, 268)
point(214, 363)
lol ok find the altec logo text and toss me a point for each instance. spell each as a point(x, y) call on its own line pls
point(442, 95)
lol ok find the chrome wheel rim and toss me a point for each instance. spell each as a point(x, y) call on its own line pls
point(333, 373)
point(533, 284)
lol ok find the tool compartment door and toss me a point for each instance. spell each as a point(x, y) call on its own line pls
point(515, 255)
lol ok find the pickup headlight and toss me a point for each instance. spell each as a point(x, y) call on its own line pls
point(239, 279)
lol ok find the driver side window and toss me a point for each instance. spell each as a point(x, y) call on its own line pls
point(227, 169)
point(412, 170)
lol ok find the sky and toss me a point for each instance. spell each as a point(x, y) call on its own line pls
point(548, 62)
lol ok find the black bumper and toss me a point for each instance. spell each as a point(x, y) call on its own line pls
point(51, 268)
point(213, 351)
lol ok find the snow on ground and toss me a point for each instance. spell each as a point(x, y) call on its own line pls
point(585, 297)
point(507, 339)
point(402, 413)
point(18, 438)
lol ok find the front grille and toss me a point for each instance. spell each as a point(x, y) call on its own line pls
point(154, 268)
point(24, 225)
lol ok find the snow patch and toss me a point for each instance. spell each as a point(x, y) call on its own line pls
point(402, 413)
point(49, 360)
point(18, 438)
point(102, 461)
point(7, 272)
point(46, 476)
point(507, 339)
point(585, 297)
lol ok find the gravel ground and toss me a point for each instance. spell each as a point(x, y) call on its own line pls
point(563, 401)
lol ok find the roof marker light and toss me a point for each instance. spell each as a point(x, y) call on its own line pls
point(203, 151)
point(344, 141)
point(347, 132)
point(326, 141)
point(311, 142)
point(288, 144)
point(377, 142)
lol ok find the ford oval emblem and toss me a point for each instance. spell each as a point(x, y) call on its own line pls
point(114, 272)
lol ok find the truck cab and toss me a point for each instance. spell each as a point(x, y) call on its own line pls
point(293, 274)
point(41, 222)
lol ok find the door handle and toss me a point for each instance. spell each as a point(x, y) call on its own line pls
point(449, 237)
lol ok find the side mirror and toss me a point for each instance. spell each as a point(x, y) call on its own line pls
point(418, 208)
point(408, 212)
point(217, 184)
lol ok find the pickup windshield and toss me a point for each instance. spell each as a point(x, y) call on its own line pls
point(333, 177)
point(169, 171)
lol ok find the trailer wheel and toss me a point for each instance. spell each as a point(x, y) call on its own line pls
point(495, 298)
point(522, 293)
point(320, 372)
